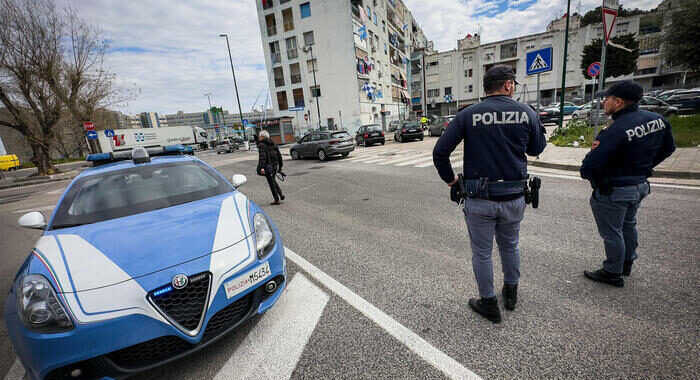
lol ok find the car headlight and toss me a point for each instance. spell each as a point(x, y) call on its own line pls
point(265, 238)
point(38, 307)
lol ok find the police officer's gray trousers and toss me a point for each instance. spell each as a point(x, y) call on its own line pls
point(616, 217)
point(484, 220)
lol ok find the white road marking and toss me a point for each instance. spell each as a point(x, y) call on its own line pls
point(456, 162)
point(59, 191)
point(410, 156)
point(429, 157)
point(272, 349)
point(16, 372)
point(42, 208)
point(565, 176)
point(438, 359)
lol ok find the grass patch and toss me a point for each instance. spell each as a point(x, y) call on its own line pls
point(30, 164)
point(686, 130)
point(576, 133)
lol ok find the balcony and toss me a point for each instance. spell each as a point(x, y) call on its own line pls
point(279, 82)
point(296, 78)
point(276, 57)
point(292, 53)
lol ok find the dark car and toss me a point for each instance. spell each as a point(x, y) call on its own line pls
point(322, 145)
point(439, 125)
point(410, 130)
point(370, 134)
point(653, 104)
point(549, 115)
point(686, 101)
point(394, 125)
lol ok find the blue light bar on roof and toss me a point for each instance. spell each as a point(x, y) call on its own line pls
point(98, 157)
point(173, 148)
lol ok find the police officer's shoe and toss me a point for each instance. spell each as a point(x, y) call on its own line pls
point(601, 275)
point(488, 307)
point(627, 268)
point(510, 296)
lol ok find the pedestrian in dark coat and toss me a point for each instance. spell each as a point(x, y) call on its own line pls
point(269, 162)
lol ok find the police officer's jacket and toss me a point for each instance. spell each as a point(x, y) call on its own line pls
point(497, 133)
point(625, 152)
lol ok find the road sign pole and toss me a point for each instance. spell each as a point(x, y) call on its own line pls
point(601, 84)
point(563, 73)
point(538, 94)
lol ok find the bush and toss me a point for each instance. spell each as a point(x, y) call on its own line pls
point(576, 133)
point(686, 130)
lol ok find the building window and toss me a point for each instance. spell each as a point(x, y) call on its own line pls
point(292, 51)
point(434, 93)
point(271, 24)
point(315, 91)
point(288, 19)
point(369, 11)
point(385, 50)
point(279, 76)
point(298, 94)
point(267, 4)
point(308, 38)
point(509, 50)
point(470, 88)
point(375, 18)
point(295, 73)
point(383, 26)
point(305, 10)
point(275, 52)
point(468, 73)
point(284, 1)
point(448, 90)
point(433, 64)
point(282, 100)
point(312, 65)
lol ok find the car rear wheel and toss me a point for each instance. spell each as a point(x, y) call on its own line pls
point(322, 155)
point(430, 132)
point(366, 144)
point(294, 154)
point(382, 142)
point(574, 117)
point(421, 138)
point(345, 154)
point(400, 138)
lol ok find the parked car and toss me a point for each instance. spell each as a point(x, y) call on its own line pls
point(549, 115)
point(569, 107)
point(586, 111)
point(394, 125)
point(369, 134)
point(193, 261)
point(322, 145)
point(409, 131)
point(226, 146)
point(438, 127)
point(666, 94)
point(652, 104)
point(9, 162)
point(686, 101)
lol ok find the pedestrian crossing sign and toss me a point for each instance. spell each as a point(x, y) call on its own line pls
point(538, 61)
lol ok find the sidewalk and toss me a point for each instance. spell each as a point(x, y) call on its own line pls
point(9, 183)
point(683, 163)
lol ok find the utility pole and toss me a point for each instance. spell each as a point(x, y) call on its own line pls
point(310, 49)
point(235, 86)
point(563, 74)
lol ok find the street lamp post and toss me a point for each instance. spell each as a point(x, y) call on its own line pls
point(313, 68)
point(235, 86)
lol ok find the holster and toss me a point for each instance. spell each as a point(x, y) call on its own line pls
point(477, 188)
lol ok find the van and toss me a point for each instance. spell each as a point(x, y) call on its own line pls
point(9, 162)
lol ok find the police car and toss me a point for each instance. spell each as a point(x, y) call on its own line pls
point(149, 256)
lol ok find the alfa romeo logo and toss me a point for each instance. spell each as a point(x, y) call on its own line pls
point(179, 281)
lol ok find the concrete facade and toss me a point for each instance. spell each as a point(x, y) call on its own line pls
point(338, 42)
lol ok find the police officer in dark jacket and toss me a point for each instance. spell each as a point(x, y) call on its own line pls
point(618, 165)
point(497, 133)
point(269, 162)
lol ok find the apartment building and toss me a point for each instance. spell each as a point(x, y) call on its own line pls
point(344, 60)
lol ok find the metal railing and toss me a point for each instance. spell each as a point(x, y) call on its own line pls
point(296, 78)
point(276, 57)
point(279, 82)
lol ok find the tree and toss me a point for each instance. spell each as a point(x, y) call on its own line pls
point(595, 16)
point(617, 61)
point(680, 48)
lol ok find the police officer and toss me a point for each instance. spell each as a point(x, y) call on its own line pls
point(497, 133)
point(618, 165)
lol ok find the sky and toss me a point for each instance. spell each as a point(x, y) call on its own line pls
point(171, 50)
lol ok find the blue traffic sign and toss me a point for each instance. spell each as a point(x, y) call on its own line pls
point(109, 132)
point(296, 109)
point(538, 61)
point(594, 69)
point(245, 122)
point(92, 135)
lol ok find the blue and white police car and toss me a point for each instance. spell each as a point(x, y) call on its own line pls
point(149, 256)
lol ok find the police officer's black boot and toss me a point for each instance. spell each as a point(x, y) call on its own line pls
point(627, 268)
point(601, 275)
point(510, 296)
point(488, 307)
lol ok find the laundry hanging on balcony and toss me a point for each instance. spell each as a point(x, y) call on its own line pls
point(369, 89)
point(363, 65)
point(362, 32)
point(449, 98)
point(363, 15)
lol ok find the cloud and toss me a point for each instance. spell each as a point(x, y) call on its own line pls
point(172, 51)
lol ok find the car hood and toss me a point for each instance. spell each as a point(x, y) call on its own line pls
point(114, 251)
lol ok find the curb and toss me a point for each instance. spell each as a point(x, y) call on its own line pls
point(44, 179)
point(657, 173)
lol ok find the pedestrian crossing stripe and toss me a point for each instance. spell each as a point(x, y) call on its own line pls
point(538, 64)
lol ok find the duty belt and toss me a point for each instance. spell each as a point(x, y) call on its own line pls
point(483, 189)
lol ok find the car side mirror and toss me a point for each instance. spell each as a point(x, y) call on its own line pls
point(238, 180)
point(34, 219)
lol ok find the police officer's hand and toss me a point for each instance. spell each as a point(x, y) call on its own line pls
point(452, 183)
point(262, 171)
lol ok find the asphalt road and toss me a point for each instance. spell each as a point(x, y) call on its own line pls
point(387, 232)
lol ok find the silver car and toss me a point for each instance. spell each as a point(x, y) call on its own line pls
point(322, 145)
point(439, 125)
point(226, 146)
point(587, 112)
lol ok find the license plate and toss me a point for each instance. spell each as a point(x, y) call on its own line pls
point(375, 134)
point(247, 280)
point(411, 130)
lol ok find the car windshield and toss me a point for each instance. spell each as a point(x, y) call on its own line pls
point(412, 124)
point(136, 190)
point(340, 135)
point(223, 143)
point(374, 128)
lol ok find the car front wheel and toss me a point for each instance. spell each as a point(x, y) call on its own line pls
point(322, 155)
point(294, 154)
point(366, 144)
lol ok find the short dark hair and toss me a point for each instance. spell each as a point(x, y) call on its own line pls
point(493, 86)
